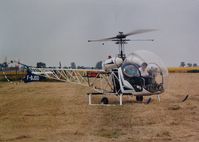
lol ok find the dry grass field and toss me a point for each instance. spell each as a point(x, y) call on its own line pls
point(59, 112)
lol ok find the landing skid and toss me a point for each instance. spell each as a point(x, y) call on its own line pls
point(105, 101)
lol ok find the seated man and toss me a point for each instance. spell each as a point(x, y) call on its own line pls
point(143, 69)
point(144, 73)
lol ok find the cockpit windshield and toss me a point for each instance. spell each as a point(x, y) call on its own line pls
point(131, 70)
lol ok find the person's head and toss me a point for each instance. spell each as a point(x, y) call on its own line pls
point(144, 65)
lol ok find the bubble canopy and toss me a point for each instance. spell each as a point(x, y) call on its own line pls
point(155, 63)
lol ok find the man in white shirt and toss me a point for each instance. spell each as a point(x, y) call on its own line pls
point(144, 73)
point(143, 70)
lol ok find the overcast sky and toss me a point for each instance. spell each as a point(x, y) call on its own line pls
point(57, 30)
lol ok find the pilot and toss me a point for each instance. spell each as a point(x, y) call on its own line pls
point(143, 70)
point(144, 73)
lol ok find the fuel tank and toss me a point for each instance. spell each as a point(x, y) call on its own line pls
point(113, 62)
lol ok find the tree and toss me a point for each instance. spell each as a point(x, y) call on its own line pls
point(5, 64)
point(182, 64)
point(98, 65)
point(73, 65)
point(41, 65)
point(189, 64)
point(195, 65)
point(60, 64)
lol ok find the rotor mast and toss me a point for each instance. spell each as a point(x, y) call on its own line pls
point(121, 49)
point(121, 40)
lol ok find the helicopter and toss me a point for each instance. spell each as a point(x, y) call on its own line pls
point(125, 71)
point(120, 75)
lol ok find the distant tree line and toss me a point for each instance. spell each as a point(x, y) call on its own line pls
point(183, 64)
point(97, 66)
point(72, 65)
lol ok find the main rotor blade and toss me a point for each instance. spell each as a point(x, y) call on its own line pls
point(121, 36)
point(141, 40)
point(134, 40)
point(104, 39)
point(140, 31)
